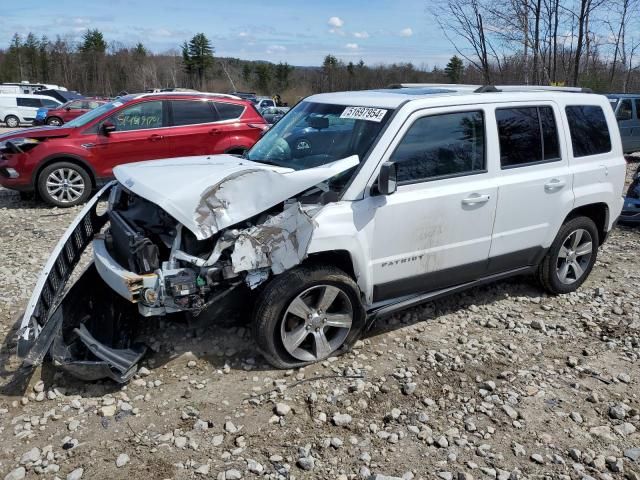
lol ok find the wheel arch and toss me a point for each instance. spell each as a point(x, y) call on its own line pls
point(12, 115)
point(65, 158)
point(338, 258)
point(236, 149)
point(598, 212)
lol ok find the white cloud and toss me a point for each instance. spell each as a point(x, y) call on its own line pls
point(243, 34)
point(336, 22)
point(352, 46)
point(406, 32)
point(276, 49)
point(361, 34)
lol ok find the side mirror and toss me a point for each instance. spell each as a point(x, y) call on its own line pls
point(67, 108)
point(107, 127)
point(388, 178)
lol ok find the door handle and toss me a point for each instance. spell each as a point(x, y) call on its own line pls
point(214, 131)
point(555, 184)
point(155, 137)
point(475, 199)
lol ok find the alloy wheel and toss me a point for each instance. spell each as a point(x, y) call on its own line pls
point(574, 256)
point(65, 185)
point(316, 323)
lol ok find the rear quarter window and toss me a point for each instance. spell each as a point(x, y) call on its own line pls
point(228, 111)
point(589, 130)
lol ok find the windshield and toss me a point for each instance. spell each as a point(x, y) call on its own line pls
point(314, 134)
point(91, 115)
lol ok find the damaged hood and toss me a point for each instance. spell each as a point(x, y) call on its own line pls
point(209, 193)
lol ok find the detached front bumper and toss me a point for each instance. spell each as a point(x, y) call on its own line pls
point(87, 328)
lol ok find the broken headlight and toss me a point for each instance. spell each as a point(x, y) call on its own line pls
point(18, 145)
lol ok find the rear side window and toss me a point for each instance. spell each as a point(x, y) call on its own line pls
point(528, 135)
point(192, 112)
point(28, 102)
point(589, 130)
point(229, 111)
point(439, 146)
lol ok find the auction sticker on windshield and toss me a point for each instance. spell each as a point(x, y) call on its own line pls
point(364, 113)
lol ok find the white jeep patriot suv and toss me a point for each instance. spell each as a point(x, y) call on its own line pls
point(354, 205)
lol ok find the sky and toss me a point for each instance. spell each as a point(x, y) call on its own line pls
point(300, 32)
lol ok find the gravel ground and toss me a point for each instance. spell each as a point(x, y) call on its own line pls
point(500, 382)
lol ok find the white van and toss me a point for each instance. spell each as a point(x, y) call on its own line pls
point(20, 109)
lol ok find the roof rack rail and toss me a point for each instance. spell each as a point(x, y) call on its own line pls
point(210, 94)
point(452, 86)
point(530, 88)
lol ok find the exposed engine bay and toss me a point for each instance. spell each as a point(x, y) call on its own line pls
point(159, 253)
point(175, 271)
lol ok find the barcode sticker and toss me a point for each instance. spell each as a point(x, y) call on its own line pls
point(364, 113)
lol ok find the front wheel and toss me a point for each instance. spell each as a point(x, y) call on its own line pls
point(54, 121)
point(307, 314)
point(571, 256)
point(12, 121)
point(64, 184)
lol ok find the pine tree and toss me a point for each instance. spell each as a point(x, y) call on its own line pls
point(263, 77)
point(43, 59)
point(197, 57)
point(454, 69)
point(14, 63)
point(283, 71)
point(246, 73)
point(93, 49)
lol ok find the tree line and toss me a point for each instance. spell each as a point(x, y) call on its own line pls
point(589, 43)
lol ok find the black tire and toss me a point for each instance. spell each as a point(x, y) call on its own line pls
point(12, 121)
point(54, 121)
point(72, 199)
point(549, 275)
point(276, 297)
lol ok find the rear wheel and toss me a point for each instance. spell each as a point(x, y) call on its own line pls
point(571, 256)
point(12, 121)
point(307, 314)
point(54, 121)
point(64, 184)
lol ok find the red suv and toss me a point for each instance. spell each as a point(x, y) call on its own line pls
point(63, 164)
point(67, 112)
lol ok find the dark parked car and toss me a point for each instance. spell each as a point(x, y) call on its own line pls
point(631, 209)
point(274, 114)
point(627, 109)
point(64, 164)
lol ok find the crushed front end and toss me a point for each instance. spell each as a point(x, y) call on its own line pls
point(150, 259)
point(158, 252)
